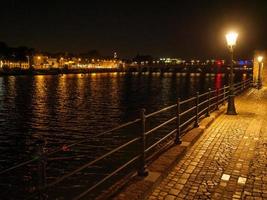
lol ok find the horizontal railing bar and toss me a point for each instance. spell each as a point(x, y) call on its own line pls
point(188, 121)
point(100, 134)
point(239, 86)
point(68, 146)
point(213, 91)
point(240, 83)
point(187, 100)
point(221, 101)
point(203, 102)
point(221, 94)
point(159, 141)
point(159, 126)
point(214, 97)
point(19, 165)
point(206, 107)
point(160, 111)
point(221, 89)
point(187, 111)
point(107, 177)
point(203, 111)
point(91, 163)
point(213, 104)
point(202, 95)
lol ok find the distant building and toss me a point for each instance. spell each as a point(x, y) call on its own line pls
point(45, 62)
point(14, 64)
point(52, 63)
point(171, 60)
point(39, 61)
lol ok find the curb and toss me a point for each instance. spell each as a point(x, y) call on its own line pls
point(140, 187)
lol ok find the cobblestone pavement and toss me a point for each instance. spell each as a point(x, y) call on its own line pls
point(229, 161)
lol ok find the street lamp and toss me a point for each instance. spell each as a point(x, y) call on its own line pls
point(231, 38)
point(260, 58)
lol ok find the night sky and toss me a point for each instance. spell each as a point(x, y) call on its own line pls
point(186, 29)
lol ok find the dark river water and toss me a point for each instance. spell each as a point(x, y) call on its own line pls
point(66, 108)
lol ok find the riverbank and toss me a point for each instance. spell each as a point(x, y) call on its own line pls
point(127, 69)
point(14, 72)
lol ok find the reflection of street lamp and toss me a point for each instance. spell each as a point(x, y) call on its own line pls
point(28, 59)
point(260, 58)
point(231, 38)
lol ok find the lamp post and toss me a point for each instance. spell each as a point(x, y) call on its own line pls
point(231, 38)
point(260, 58)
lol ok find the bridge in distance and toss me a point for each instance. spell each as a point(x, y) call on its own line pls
point(184, 68)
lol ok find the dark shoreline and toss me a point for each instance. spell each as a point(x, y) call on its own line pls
point(17, 72)
point(56, 71)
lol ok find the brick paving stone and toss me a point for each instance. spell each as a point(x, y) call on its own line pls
point(229, 161)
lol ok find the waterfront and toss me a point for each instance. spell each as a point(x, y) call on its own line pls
point(66, 108)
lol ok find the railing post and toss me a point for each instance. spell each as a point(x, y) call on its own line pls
point(217, 99)
point(197, 109)
point(208, 109)
point(41, 168)
point(223, 103)
point(142, 171)
point(178, 122)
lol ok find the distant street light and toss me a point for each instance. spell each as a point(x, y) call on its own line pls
point(231, 38)
point(260, 58)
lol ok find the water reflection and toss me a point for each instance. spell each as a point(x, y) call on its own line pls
point(65, 108)
point(218, 81)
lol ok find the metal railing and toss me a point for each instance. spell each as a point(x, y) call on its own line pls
point(152, 139)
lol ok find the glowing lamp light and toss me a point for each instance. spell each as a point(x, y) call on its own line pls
point(260, 58)
point(231, 38)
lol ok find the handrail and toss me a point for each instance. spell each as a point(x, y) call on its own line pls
point(212, 102)
point(188, 111)
point(160, 111)
point(91, 163)
point(159, 126)
point(69, 146)
point(203, 102)
point(190, 120)
point(162, 139)
point(202, 112)
point(188, 100)
point(19, 165)
point(98, 135)
point(106, 178)
point(203, 94)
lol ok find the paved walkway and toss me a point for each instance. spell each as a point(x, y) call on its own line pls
point(229, 161)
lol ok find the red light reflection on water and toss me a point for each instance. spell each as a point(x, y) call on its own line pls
point(218, 81)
